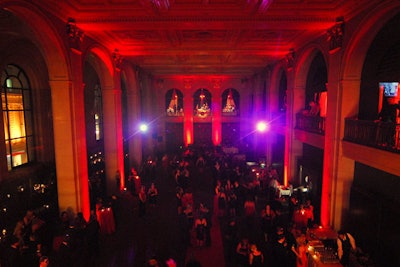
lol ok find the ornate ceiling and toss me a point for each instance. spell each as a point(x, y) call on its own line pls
point(203, 36)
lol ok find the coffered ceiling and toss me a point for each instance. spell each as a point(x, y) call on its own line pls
point(203, 36)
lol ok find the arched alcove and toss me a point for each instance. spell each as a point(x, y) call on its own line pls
point(317, 78)
point(282, 91)
point(382, 64)
point(174, 102)
point(230, 102)
point(202, 103)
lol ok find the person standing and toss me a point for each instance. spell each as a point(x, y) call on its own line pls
point(118, 180)
point(200, 228)
point(221, 203)
point(92, 239)
point(346, 243)
point(10, 255)
point(242, 252)
point(256, 258)
point(44, 261)
point(152, 193)
point(205, 212)
point(301, 251)
point(267, 222)
point(66, 255)
point(179, 196)
point(142, 201)
point(279, 252)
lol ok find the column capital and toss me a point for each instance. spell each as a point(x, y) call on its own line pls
point(75, 35)
point(118, 59)
point(335, 36)
point(290, 59)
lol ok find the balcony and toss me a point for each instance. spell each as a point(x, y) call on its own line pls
point(312, 124)
point(377, 134)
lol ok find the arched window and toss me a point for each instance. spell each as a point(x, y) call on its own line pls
point(174, 102)
point(230, 102)
point(202, 103)
point(98, 113)
point(283, 92)
point(317, 78)
point(17, 116)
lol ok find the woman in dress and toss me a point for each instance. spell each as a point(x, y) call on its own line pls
point(267, 221)
point(152, 193)
point(256, 258)
point(200, 227)
point(301, 251)
point(142, 201)
point(179, 195)
point(221, 204)
point(242, 252)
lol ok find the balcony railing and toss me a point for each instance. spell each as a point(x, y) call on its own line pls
point(382, 135)
point(313, 124)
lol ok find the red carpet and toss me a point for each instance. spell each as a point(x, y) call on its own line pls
point(212, 256)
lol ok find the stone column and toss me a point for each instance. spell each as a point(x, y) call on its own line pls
point(216, 113)
point(338, 171)
point(188, 113)
point(272, 101)
point(70, 144)
point(134, 116)
point(293, 147)
point(68, 105)
point(113, 139)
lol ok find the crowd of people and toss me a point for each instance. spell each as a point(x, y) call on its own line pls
point(260, 227)
point(35, 237)
point(28, 242)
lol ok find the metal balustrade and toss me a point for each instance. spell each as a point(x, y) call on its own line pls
point(378, 134)
point(313, 124)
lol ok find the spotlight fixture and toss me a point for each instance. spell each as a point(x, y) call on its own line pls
point(262, 126)
point(143, 127)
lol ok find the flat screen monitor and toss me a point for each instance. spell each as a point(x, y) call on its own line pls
point(390, 89)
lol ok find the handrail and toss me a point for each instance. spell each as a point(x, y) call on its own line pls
point(314, 124)
point(378, 134)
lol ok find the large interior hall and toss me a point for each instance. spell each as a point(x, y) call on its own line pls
point(297, 102)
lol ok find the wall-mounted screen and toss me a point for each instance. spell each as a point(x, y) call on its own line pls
point(390, 89)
